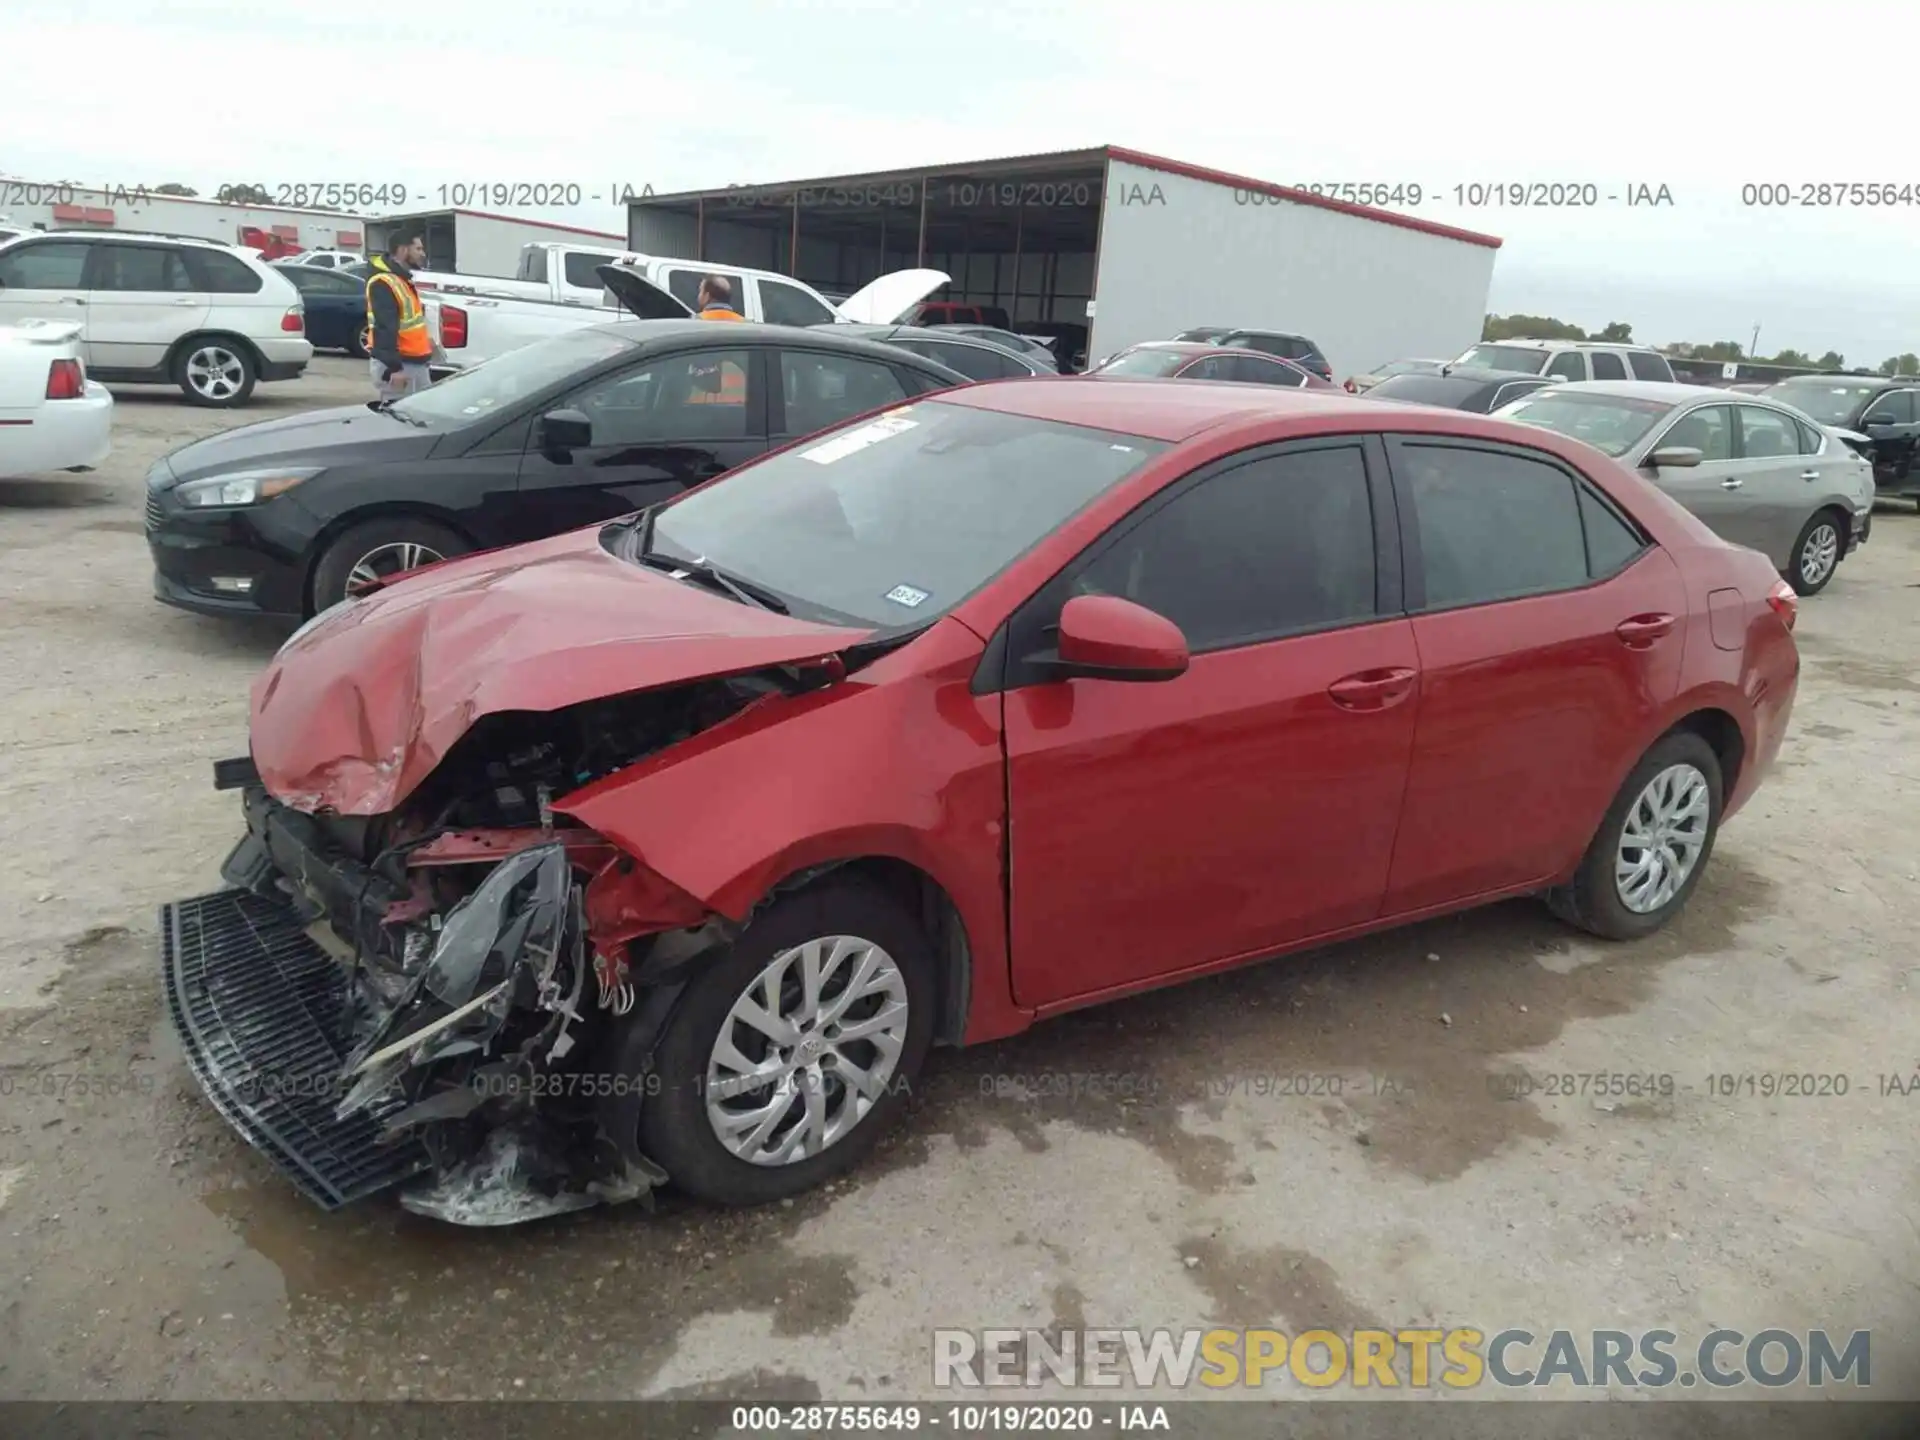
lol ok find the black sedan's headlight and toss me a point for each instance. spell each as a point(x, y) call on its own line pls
point(242, 487)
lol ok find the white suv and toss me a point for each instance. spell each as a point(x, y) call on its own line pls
point(158, 309)
point(1569, 359)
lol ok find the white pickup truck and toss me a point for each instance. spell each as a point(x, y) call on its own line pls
point(472, 325)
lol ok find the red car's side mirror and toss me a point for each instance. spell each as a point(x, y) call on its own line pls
point(1103, 637)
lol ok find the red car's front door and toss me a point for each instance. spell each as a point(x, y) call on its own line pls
point(1550, 637)
point(1251, 802)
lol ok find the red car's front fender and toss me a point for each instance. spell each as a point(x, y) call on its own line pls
point(899, 761)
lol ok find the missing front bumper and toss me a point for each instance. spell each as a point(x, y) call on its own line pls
point(259, 1008)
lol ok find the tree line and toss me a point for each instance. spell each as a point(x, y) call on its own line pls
point(1545, 327)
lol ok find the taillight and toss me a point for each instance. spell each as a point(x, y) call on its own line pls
point(1783, 602)
point(294, 321)
point(453, 327)
point(66, 380)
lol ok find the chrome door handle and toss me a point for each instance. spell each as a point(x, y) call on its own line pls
point(1809, 474)
point(71, 300)
point(1730, 483)
point(186, 300)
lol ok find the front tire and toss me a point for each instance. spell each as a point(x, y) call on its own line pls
point(215, 372)
point(792, 1053)
point(1816, 554)
point(378, 550)
point(1652, 846)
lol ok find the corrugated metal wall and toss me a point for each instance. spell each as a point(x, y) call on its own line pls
point(1176, 252)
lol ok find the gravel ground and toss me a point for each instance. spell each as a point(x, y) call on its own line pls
point(145, 1252)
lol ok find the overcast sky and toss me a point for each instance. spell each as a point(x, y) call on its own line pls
point(1702, 97)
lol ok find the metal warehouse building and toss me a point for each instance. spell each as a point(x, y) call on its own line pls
point(1133, 246)
point(473, 242)
point(66, 207)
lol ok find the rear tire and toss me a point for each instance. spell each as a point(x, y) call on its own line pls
point(1817, 553)
point(678, 1127)
point(214, 371)
point(1594, 900)
point(387, 546)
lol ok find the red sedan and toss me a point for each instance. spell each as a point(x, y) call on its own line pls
point(662, 851)
point(1190, 360)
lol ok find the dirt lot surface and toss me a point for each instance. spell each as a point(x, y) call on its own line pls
point(146, 1252)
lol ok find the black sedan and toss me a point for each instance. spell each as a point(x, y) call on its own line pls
point(291, 516)
point(336, 305)
point(1479, 391)
point(1879, 416)
point(974, 358)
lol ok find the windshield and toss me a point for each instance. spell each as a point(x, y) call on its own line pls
point(1525, 359)
point(1825, 401)
point(1610, 423)
point(1145, 362)
point(504, 379)
point(891, 522)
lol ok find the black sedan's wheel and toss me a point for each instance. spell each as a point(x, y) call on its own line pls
point(1652, 845)
point(793, 1052)
point(377, 551)
point(1816, 554)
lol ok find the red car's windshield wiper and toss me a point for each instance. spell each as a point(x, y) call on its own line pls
point(641, 551)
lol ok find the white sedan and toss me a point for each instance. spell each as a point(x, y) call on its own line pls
point(51, 416)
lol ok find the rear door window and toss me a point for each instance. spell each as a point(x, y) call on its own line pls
point(583, 270)
point(783, 304)
point(1257, 370)
point(140, 267)
point(1766, 434)
point(1491, 525)
point(822, 389)
point(1607, 366)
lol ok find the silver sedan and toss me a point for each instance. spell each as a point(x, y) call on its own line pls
point(1758, 473)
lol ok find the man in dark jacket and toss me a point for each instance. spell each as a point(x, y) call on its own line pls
point(396, 338)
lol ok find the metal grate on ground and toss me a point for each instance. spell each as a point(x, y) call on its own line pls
point(258, 1005)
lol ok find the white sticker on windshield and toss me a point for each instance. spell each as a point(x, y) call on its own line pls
point(907, 595)
point(858, 439)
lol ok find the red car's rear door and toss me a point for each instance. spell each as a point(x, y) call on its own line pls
point(1253, 800)
point(1550, 634)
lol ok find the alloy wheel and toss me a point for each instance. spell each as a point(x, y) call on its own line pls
point(1820, 553)
point(215, 372)
point(383, 562)
point(807, 1051)
point(1663, 838)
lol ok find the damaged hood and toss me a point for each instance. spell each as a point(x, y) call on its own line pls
point(361, 705)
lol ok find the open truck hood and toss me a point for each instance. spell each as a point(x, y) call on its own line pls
point(880, 303)
point(362, 704)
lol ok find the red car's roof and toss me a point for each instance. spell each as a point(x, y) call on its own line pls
point(1170, 410)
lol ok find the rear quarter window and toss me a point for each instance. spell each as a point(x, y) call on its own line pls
point(219, 273)
point(1649, 366)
